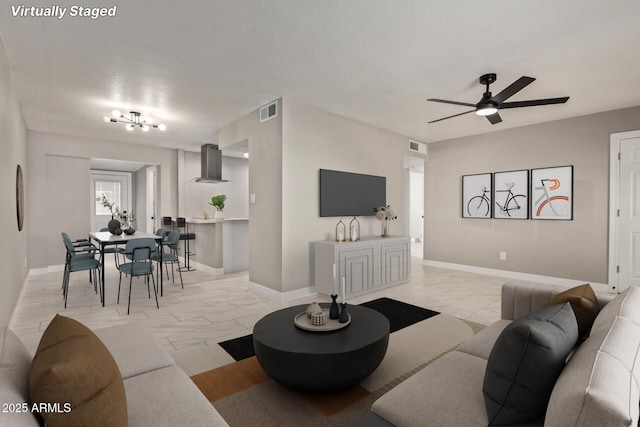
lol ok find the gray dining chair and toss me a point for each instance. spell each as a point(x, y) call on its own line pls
point(139, 251)
point(171, 257)
point(78, 258)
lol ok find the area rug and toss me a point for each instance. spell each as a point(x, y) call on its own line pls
point(246, 396)
point(400, 315)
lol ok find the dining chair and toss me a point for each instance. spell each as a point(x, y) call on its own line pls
point(173, 239)
point(78, 259)
point(115, 250)
point(139, 251)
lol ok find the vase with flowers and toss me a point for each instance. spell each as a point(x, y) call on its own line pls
point(385, 214)
point(124, 218)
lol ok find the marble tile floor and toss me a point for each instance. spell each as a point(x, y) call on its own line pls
point(191, 321)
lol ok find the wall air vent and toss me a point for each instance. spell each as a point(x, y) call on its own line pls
point(269, 111)
point(417, 147)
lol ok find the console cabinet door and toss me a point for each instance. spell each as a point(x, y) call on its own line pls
point(394, 257)
point(358, 267)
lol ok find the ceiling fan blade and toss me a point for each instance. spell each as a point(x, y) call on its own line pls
point(534, 102)
point(494, 118)
point(444, 101)
point(512, 89)
point(455, 115)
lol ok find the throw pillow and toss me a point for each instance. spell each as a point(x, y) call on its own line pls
point(525, 362)
point(584, 303)
point(75, 379)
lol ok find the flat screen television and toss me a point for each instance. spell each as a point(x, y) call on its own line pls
point(351, 194)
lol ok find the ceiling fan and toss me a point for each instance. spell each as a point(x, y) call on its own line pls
point(489, 105)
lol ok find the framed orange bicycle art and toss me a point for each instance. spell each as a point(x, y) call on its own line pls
point(552, 193)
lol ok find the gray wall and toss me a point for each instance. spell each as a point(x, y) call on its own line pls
point(198, 194)
point(60, 164)
point(568, 249)
point(265, 181)
point(314, 139)
point(13, 143)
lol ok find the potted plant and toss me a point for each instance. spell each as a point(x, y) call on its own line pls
point(218, 203)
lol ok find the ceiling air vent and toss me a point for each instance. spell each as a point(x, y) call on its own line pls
point(269, 111)
point(417, 147)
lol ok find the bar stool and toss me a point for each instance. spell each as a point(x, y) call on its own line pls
point(167, 221)
point(187, 237)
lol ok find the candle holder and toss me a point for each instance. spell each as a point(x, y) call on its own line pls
point(333, 309)
point(343, 318)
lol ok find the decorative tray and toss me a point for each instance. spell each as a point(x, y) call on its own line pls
point(302, 321)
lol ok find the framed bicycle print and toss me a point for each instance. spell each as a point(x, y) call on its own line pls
point(511, 194)
point(476, 196)
point(552, 193)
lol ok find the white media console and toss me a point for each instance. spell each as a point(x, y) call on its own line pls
point(367, 265)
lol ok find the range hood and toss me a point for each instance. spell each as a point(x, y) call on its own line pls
point(210, 164)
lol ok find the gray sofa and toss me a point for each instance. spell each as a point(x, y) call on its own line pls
point(158, 392)
point(598, 387)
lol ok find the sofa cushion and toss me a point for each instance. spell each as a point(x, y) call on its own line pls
point(15, 363)
point(73, 369)
point(134, 349)
point(584, 303)
point(600, 384)
point(171, 393)
point(481, 343)
point(443, 393)
point(626, 304)
point(525, 362)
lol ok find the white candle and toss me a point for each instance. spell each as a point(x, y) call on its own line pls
point(335, 284)
point(343, 291)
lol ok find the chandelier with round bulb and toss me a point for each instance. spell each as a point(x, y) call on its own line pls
point(135, 120)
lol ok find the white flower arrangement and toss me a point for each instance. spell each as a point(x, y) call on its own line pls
point(126, 219)
point(385, 212)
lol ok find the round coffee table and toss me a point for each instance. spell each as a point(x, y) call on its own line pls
point(320, 362)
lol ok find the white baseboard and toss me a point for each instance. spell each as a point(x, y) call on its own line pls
point(46, 270)
point(216, 271)
point(281, 296)
point(599, 287)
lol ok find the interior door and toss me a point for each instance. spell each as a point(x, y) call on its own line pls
point(629, 215)
point(116, 188)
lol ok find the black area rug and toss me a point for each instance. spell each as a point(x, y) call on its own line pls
point(400, 315)
point(239, 348)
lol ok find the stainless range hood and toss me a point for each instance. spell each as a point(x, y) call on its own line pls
point(210, 164)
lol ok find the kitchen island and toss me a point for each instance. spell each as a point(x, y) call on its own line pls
point(221, 245)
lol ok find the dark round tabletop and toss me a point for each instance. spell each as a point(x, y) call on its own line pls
point(313, 361)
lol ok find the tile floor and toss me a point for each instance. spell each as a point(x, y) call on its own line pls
point(191, 321)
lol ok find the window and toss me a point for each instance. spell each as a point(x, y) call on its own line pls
point(112, 190)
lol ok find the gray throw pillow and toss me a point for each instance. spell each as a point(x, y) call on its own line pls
point(525, 362)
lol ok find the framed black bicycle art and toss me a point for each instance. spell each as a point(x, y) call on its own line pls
point(477, 199)
point(511, 194)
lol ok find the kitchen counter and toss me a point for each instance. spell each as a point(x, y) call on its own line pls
point(221, 245)
point(213, 220)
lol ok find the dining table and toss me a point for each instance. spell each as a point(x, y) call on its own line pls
point(105, 238)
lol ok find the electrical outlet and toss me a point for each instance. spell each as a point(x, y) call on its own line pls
point(503, 256)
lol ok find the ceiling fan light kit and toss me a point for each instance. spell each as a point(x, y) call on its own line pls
point(489, 105)
point(134, 120)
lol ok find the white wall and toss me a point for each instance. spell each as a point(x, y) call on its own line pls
point(198, 194)
point(13, 144)
point(46, 222)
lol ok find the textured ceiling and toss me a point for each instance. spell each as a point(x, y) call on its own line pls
point(199, 65)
